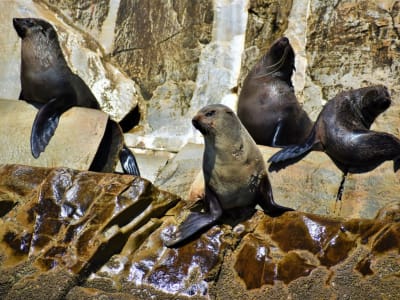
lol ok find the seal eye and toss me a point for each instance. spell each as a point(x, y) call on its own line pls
point(210, 113)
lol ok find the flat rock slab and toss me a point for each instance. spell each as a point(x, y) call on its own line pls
point(310, 186)
point(74, 144)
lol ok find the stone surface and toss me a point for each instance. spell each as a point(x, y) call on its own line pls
point(77, 127)
point(61, 220)
point(309, 186)
point(66, 234)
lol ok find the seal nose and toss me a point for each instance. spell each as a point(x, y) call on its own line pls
point(19, 26)
point(196, 122)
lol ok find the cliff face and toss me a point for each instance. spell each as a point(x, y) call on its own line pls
point(171, 58)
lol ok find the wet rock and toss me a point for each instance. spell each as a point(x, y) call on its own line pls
point(68, 220)
point(101, 235)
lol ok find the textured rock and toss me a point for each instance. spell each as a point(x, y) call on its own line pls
point(60, 219)
point(66, 234)
point(352, 44)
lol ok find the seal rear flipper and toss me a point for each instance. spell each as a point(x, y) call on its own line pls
point(196, 221)
point(265, 199)
point(128, 161)
point(291, 154)
point(45, 124)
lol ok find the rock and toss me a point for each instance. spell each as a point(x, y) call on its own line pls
point(353, 44)
point(101, 235)
point(77, 127)
point(69, 220)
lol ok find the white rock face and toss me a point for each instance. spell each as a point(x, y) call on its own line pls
point(218, 72)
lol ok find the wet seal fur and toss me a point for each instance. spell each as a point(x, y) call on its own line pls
point(342, 131)
point(234, 171)
point(267, 105)
point(49, 84)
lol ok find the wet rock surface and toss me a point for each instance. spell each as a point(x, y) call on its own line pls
point(67, 234)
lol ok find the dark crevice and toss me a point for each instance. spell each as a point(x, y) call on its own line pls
point(157, 43)
point(6, 206)
point(107, 153)
point(131, 120)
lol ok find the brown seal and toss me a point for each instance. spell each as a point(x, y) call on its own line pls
point(234, 171)
point(49, 84)
point(267, 105)
point(342, 131)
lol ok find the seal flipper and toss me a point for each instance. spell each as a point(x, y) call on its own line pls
point(45, 124)
point(265, 199)
point(128, 161)
point(196, 221)
point(291, 154)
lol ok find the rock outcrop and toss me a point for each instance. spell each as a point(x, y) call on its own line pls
point(80, 235)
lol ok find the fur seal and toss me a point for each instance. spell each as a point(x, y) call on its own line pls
point(267, 105)
point(342, 131)
point(234, 171)
point(49, 84)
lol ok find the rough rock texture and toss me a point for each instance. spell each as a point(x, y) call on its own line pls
point(66, 234)
point(57, 222)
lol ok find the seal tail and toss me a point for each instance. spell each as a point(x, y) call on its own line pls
point(45, 124)
point(291, 154)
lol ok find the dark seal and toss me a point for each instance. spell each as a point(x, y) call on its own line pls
point(234, 172)
point(268, 106)
point(342, 131)
point(49, 84)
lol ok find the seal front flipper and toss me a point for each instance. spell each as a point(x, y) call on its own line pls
point(292, 154)
point(45, 124)
point(196, 221)
point(128, 161)
point(266, 200)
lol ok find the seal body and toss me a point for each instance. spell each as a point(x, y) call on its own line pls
point(267, 105)
point(49, 84)
point(342, 131)
point(234, 171)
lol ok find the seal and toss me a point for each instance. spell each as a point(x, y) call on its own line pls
point(267, 105)
point(234, 171)
point(342, 131)
point(49, 84)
